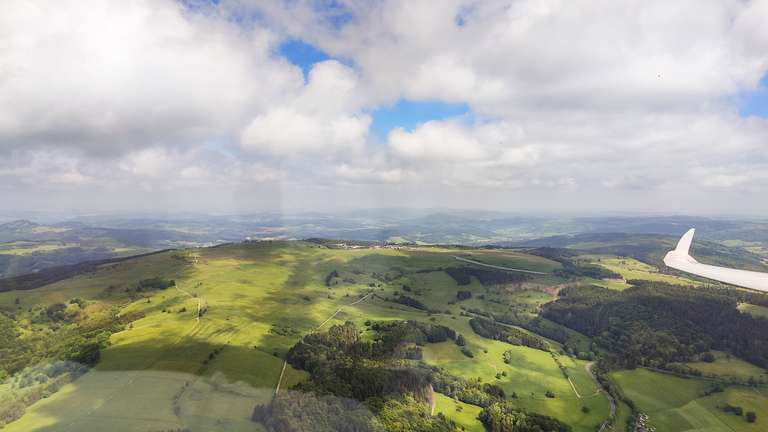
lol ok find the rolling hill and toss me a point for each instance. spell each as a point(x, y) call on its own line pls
point(202, 338)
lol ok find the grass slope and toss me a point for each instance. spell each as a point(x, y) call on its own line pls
point(678, 404)
point(727, 366)
point(169, 370)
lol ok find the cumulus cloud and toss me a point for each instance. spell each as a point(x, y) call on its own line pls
point(436, 141)
point(109, 76)
point(324, 117)
point(287, 132)
point(503, 57)
point(634, 99)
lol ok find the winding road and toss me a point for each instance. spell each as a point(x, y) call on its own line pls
point(467, 260)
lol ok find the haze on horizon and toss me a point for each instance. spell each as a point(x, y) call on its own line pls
point(236, 106)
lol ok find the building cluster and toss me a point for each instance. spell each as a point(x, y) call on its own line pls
point(642, 424)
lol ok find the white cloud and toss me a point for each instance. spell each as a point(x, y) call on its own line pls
point(152, 162)
point(286, 132)
point(366, 174)
point(436, 140)
point(324, 117)
point(635, 99)
point(108, 76)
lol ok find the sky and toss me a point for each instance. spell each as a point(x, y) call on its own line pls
point(515, 105)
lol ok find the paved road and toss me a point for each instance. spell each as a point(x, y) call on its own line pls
point(498, 267)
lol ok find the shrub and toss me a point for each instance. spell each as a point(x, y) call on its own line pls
point(155, 283)
point(410, 301)
point(460, 341)
point(736, 410)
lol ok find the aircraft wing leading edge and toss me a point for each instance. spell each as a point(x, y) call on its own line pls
point(680, 259)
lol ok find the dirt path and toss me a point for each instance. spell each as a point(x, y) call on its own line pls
point(497, 267)
point(342, 307)
point(432, 406)
point(280, 379)
point(612, 415)
point(574, 388)
point(285, 362)
point(199, 302)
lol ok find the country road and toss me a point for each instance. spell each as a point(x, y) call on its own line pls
point(612, 415)
point(285, 362)
point(497, 267)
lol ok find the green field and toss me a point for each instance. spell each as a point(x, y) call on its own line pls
point(754, 310)
point(465, 415)
point(28, 248)
point(252, 293)
point(729, 367)
point(678, 404)
point(168, 369)
point(630, 268)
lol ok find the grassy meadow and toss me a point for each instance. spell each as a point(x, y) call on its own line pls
point(630, 268)
point(681, 404)
point(727, 366)
point(203, 353)
point(258, 300)
point(754, 310)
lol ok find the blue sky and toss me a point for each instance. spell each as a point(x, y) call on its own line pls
point(755, 103)
point(404, 113)
point(407, 114)
point(302, 54)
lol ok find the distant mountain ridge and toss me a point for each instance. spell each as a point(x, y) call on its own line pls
point(17, 225)
point(100, 237)
point(649, 248)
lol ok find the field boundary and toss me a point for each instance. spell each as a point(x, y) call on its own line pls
point(199, 302)
point(285, 362)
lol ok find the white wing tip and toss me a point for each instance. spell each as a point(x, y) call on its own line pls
point(681, 254)
point(684, 245)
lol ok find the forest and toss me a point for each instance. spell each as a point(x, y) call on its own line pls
point(504, 417)
point(655, 323)
point(380, 372)
point(492, 330)
point(486, 276)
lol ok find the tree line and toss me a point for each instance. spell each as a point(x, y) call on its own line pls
point(372, 384)
point(462, 275)
point(490, 329)
point(655, 324)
